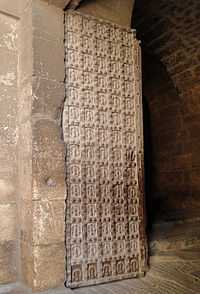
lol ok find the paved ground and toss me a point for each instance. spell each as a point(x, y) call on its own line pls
point(178, 274)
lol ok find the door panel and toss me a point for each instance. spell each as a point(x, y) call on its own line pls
point(102, 125)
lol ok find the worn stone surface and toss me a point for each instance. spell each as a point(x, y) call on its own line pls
point(116, 11)
point(44, 65)
point(26, 261)
point(48, 222)
point(9, 36)
point(26, 49)
point(64, 3)
point(48, 98)
point(59, 3)
point(26, 220)
point(44, 29)
point(10, 9)
point(7, 190)
point(48, 161)
point(42, 153)
point(8, 222)
point(49, 263)
point(8, 266)
point(25, 144)
point(8, 69)
point(8, 146)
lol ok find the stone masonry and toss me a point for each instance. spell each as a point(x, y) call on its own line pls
point(8, 148)
point(42, 157)
point(32, 172)
point(169, 31)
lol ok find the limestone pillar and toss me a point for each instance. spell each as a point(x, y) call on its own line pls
point(41, 152)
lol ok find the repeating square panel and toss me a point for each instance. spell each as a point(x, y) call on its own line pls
point(74, 78)
point(115, 34)
point(89, 26)
point(72, 96)
point(74, 115)
point(73, 41)
point(89, 135)
point(88, 63)
point(88, 45)
point(76, 252)
point(74, 23)
point(73, 61)
point(102, 30)
point(102, 64)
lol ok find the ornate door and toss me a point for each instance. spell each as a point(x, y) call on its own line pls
point(102, 127)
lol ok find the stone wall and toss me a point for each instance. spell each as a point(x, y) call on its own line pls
point(32, 158)
point(8, 147)
point(169, 30)
point(164, 134)
point(25, 143)
point(116, 11)
point(48, 194)
point(42, 152)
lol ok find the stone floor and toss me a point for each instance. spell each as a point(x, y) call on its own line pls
point(174, 274)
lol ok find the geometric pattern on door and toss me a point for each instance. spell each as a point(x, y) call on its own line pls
point(102, 127)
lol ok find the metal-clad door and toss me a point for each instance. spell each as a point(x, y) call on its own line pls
point(102, 125)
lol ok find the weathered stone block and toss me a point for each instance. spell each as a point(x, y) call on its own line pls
point(48, 222)
point(8, 129)
point(8, 134)
point(114, 11)
point(8, 69)
point(27, 263)
point(48, 97)
point(48, 161)
point(42, 13)
point(49, 184)
point(8, 94)
point(26, 19)
point(7, 262)
point(25, 161)
point(25, 181)
point(25, 140)
point(8, 105)
point(49, 266)
point(8, 222)
point(26, 54)
point(7, 190)
point(47, 135)
point(51, 65)
point(26, 221)
point(8, 30)
point(59, 3)
point(25, 102)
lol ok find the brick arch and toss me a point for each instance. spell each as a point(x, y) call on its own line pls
point(169, 30)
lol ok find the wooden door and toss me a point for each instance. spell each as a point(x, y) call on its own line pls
point(102, 125)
